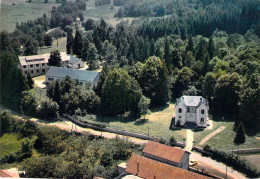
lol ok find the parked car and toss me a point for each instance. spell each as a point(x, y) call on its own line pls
point(193, 162)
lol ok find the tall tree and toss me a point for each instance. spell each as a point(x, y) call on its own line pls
point(92, 56)
point(69, 43)
point(77, 45)
point(30, 81)
point(55, 59)
point(154, 81)
point(211, 48)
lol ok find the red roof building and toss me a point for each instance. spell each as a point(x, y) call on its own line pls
point(150, 169)
point(166, 154)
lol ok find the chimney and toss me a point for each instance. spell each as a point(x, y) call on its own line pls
point(137, 169)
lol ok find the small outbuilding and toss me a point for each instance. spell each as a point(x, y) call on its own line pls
point(191, 109)
point(76, 63)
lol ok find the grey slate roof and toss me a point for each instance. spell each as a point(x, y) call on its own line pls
point(190, 100)
point(73, 60)
point(81, 75)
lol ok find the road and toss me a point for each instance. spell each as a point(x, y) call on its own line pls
point(210, 165)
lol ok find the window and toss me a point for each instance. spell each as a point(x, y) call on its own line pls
point(32, 71)
point(202, 120)
point(50, 79)
point(31, 66)
point(25, 72)
point(43, 64)
point(202, 111)
point(37, 65)
point(180, 110)
point(43, 70)
point(188, 109)
point(24, 66)
point(38, 71)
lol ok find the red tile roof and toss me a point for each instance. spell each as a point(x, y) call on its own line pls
point(151, 169)
point(8, 174)
point(4, 175)
point(163, 151)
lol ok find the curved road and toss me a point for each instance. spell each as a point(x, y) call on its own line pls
point(210, 165)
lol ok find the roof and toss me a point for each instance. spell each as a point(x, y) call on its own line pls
point(81, 75)
point(11, 173)
point(73, 60)
point(163, 151)
point(192, 101)
point(38, 59)
point(149, 168)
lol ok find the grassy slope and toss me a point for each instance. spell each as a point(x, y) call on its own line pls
point(20, 12)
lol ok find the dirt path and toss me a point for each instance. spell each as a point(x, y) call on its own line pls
point(220, 129)
point(189, 139)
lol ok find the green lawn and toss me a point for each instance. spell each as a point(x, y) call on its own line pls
point(224, 140)
point(157, 122)
point(9, 144)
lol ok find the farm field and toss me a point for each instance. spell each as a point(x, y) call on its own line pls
point(22, 11)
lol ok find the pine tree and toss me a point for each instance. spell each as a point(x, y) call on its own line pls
point(69, 43)
point(240, 135)
point(77, 45)
point(211, 48)
point(190, 46)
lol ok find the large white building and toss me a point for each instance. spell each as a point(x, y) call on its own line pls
point(191, 109)
point(38, 64)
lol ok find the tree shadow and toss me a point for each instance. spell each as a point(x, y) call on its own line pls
point(157, 108)
point(140, 122)
point(117, 118)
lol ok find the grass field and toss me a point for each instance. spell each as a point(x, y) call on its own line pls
point(22, 11)
point(224, 140)
point(157, 123)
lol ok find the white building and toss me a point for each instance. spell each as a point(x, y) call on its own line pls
point(38, 64)
point(82, 76)
point(191, 109)
point(76, 63)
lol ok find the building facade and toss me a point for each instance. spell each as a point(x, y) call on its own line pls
point(38, 64)
point(76, 63)
point(191, 109)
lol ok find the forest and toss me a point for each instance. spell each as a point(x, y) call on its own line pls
point(210, 48)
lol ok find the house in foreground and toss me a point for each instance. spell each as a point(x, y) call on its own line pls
point(191, 109)
point(167, 154)
point(38, 64)
point(142, 167)
point(82, 76)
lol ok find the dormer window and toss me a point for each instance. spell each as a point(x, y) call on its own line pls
point(180, 110)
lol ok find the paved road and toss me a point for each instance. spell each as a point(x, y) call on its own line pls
point(209, 164)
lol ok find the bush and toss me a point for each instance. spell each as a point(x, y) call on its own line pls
point(172, 141)
point(91, 119)
point(164, 141)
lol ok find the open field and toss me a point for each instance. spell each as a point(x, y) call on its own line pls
point(22, 11)
point(62, 42)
